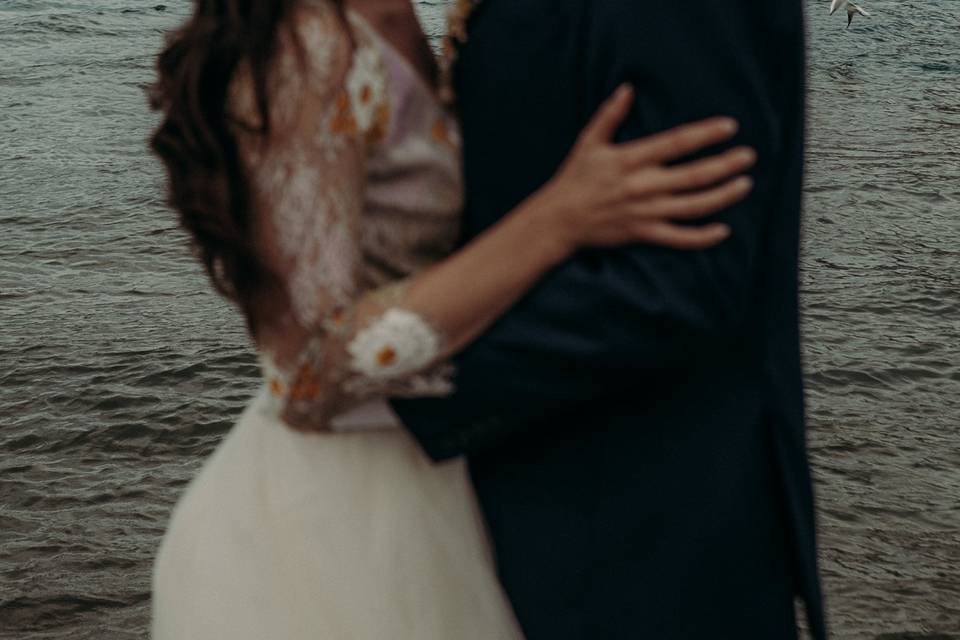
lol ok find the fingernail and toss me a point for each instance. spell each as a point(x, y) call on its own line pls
point(745, 183)
point(747, 155)
point(729, 125)
point(724, 231)
point(626, 87)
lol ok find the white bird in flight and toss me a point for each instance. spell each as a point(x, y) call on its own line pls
point(852, 9)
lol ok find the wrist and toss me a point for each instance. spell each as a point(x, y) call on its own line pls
point(550, 217)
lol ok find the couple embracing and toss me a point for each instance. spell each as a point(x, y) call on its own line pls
point(527, 319)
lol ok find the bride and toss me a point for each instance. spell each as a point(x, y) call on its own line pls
point(311, 159)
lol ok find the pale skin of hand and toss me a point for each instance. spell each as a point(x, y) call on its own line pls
point(614, 181)
point(604, 195)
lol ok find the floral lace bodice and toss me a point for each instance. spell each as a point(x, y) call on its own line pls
point(356, 187)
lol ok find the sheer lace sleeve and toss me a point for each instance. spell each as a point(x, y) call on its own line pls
point(328, 343)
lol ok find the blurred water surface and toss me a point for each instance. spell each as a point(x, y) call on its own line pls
point(121, 370)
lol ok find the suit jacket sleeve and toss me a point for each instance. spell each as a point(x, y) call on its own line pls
point(606, 322)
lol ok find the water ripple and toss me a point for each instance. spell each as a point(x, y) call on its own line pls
point(122, 370)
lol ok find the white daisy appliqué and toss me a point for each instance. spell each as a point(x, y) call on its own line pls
point(366, 86)
point(397, 343)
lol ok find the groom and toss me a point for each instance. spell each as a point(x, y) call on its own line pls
point(635, 425)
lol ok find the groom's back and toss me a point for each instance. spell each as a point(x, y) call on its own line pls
point(682, 508)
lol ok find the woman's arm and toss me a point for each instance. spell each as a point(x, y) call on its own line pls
point(343, 346)
point(604, 195)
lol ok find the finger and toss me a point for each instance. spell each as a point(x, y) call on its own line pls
point(610, 116)
point(696, 205)
point(698, 174)
point(680, 141)
point(686, 238)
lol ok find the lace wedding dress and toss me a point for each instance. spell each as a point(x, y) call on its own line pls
point(286, 535)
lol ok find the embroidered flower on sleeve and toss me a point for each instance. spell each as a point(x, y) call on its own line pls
point(308, 383)
point(397, 343)
point(343, 120)
point(366, 86)
point(363, 106)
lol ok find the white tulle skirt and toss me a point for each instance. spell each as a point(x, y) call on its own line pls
point(286, 536)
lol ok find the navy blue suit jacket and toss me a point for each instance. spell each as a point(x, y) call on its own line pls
point(635, 424)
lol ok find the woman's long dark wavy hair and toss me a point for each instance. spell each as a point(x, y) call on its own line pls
point(207, 185)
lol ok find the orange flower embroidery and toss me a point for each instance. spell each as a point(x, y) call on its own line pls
point(387, 356)
point(343, 120)
point(308, 384)
point(276, 387)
